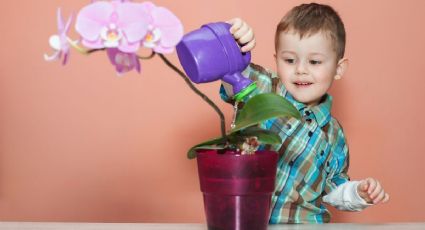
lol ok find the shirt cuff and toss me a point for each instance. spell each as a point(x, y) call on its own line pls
point(357, 201)
point(345, 197)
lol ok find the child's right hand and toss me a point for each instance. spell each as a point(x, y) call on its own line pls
point(242, 33)
point(372, 192)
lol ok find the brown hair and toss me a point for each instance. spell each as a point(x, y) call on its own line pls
point(308, 19)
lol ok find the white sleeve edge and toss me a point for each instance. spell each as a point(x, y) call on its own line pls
point(345, 197)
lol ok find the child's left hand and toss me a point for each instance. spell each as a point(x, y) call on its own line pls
point(372, 192)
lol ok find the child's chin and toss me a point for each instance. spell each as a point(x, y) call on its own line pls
point(306, 100)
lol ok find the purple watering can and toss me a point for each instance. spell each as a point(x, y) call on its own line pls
point(211, 53)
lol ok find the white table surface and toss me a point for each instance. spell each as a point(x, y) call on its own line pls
point(163, 226)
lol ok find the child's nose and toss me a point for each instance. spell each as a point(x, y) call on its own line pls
point(300, 68)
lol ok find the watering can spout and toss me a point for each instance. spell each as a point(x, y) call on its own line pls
point(242, 86)
point(211, 53)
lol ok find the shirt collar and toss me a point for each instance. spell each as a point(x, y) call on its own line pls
point(321, 112)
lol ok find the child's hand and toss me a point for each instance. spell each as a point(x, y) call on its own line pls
point(372, 192)
point(242, 33)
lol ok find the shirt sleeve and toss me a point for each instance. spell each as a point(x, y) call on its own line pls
point(339, 164)
point(341, 192)
point(345, 197)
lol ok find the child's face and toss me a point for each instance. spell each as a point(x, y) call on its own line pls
point(307, 66)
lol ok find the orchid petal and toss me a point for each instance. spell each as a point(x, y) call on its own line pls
point(65, 58)
point(111, 54)
point(137, 63)
point(171, 36)
point(156, 33)
point(163, 50)
point(122, 61)
point(53, 57)
point(149, 44)
point(59, 20)
point(147, 8)
point(92, 18)
point(170, 26)
point(68, 24)
point(93, 44)
point(164, 17)
point(55, 42)
point(132, 21)
point(129, 47)
point(59, 42)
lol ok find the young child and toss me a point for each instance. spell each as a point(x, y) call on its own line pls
point(314, 160)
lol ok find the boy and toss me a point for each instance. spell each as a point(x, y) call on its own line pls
point(313, 163)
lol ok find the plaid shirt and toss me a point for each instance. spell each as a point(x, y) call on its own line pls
point(313, 155)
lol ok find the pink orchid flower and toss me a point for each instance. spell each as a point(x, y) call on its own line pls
point(116, 24)
point(122, 61)
point(59, 42)
point(164, 31)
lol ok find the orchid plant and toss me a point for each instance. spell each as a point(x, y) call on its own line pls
point(123, 27)
point(120, 27)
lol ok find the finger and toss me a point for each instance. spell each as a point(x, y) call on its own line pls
point(231, 21)
point(376, 191)
point(249, 46)
point(364, 185)
point(366, 197)
point(246, 37)
point(363, 195)
point(236, 24)
point(372, 185)
point(241, 31)
point(379, 198)
point(362, 190)
point(386, 198)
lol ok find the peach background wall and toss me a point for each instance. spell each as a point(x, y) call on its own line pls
point(81, 144)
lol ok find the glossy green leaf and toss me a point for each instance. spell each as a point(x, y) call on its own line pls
point(264, 136)
point(263, 107)
point(259, 108)
point(210, 144)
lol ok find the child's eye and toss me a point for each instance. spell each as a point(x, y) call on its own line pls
point(315, 62)
point(289, 60)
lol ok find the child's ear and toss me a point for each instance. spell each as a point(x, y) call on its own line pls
point(341, 68)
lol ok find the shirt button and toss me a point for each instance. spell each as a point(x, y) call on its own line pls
point(322, 153)
point(277, 193)
point(310, 133)
point(308, 120)
point(288, 126)
point(307, 113)
point(291, 163)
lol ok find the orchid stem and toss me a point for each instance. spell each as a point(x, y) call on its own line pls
point(94, 50)
point(79, 48)
point(148, 57)
point(173, 67)
point(203, 96)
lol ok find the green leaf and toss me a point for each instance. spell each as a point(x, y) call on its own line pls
point(263, 107)
point(256, 110)
point(210, 144)
point(264, 136)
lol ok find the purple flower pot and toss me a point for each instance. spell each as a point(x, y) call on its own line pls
point(211, 53)
point(237, 188)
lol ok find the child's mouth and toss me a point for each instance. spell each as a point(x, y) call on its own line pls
point(302, 84)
